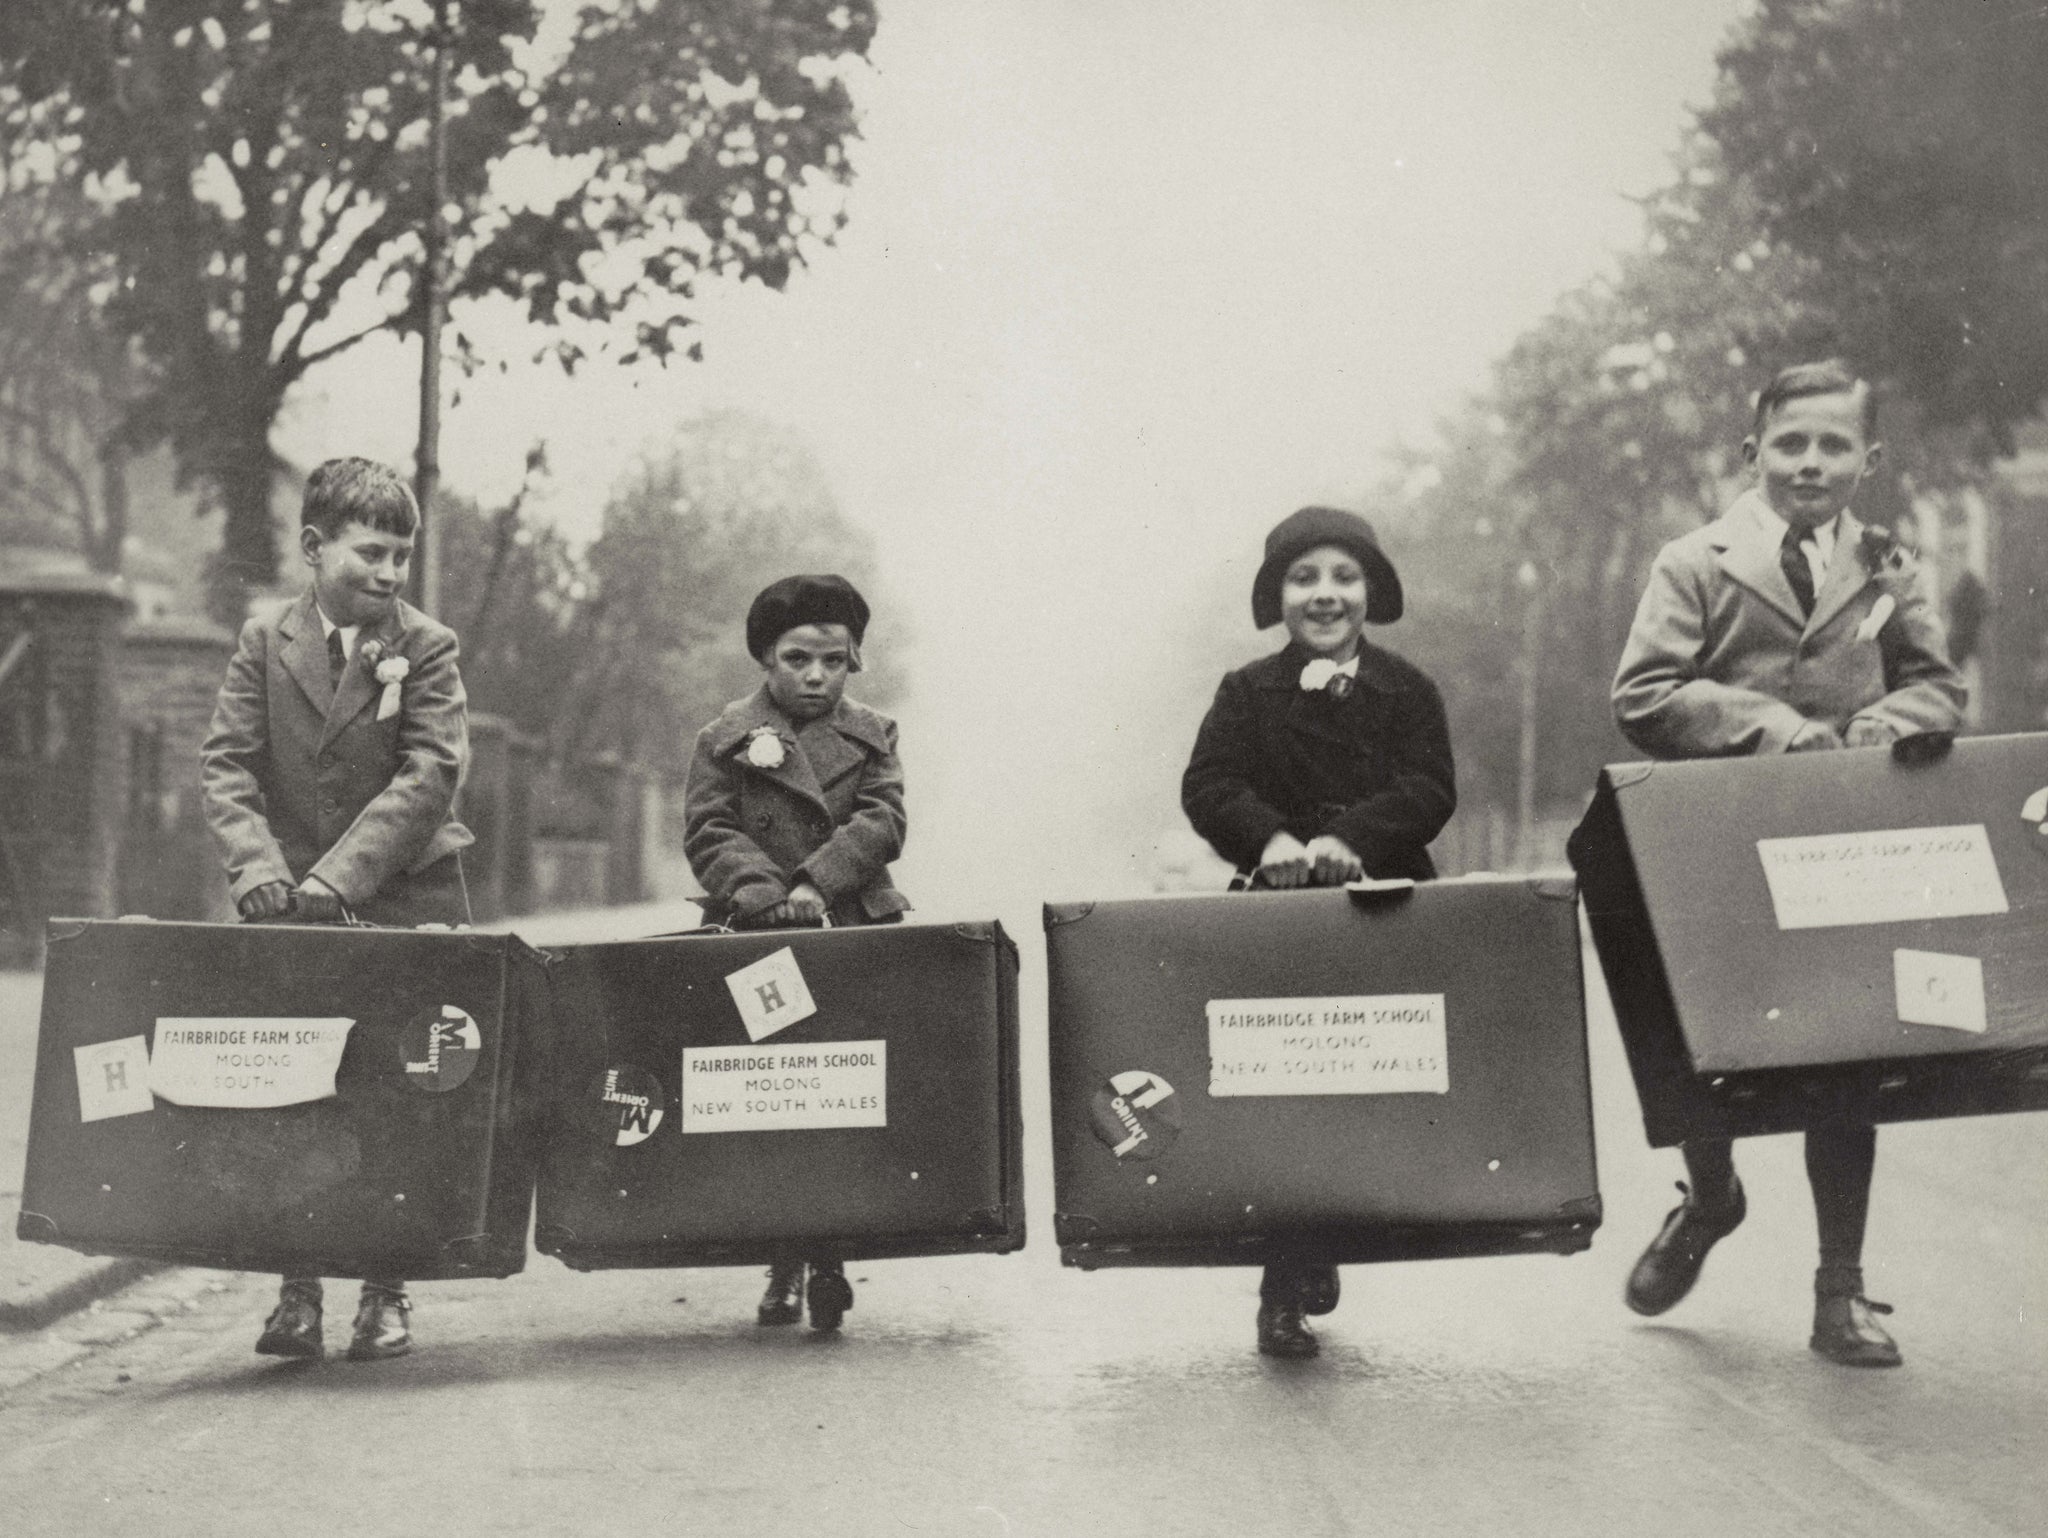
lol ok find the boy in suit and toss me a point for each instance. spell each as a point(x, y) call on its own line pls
point(791, 815)
point(337, 745)
point(1779, 628)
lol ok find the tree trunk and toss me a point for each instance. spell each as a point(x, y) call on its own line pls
point(108, 543)
point(248, 549)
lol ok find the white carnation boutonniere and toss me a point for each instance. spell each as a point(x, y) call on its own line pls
point(764, 748)
point(1321, 675)
point(1893, 567)
point(391, 672)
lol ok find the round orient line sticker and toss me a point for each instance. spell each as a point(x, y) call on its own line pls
point(440, 1047)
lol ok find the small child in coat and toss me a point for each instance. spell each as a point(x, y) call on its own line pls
point(1327, 761)
point(791, 815)
point(1786, 627)
point(338, 742)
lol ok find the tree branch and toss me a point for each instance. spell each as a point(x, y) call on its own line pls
point(353, 259)
point(291, 371)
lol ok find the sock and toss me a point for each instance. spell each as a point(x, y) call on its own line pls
point(1839, 1160)
point(1711, 1164)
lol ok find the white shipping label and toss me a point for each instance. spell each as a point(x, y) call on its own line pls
point(247, 1062)
point(113, 1078)
point(771, 993)
point(1368, 1044)
point(1890, 877)
point(1936, 989)
point(781, 1089)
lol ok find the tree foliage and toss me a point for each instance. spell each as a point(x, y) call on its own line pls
point(261, 171)
point(1901, 146)
point(1868, 181)
point(690, 536)
point(66, 383)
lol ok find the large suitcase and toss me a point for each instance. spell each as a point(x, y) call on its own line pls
point(172, 1118)
point(1321, 1076)
point(1817, 937)
point(798, 1094)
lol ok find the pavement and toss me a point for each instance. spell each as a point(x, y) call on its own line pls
point(42, 1283)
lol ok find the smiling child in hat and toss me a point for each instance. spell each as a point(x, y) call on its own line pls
point(1324, 762)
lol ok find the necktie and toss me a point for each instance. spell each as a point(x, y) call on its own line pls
point(1792, 560)
point(337, 657)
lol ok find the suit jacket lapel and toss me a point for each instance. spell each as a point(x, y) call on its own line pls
point(1750, 556)
point(304, 653)
point(358, 683)
point(1846, 574)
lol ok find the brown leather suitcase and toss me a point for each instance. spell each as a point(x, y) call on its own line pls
point(1321, 1076)
point(417, 1163)
point(1858, 935)
point(794, 1094)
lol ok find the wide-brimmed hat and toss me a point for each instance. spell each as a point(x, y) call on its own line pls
point(809, 600)
point(1313, 526)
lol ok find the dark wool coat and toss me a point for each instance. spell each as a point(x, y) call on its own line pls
point(831, 813)
point(301, 778)
point(1373, 769)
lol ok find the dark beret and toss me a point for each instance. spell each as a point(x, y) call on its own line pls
point(1298, 533)
point(819, 600)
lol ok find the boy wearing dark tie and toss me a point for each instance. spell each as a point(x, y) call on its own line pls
point(338, 741)
point(1786, 626)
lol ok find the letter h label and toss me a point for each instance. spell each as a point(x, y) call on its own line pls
point(771, 994)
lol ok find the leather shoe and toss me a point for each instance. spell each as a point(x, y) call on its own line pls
point(1672, 1263)
point(831, 1295)
point(382, 1326)
point(1845, 1330)
point(1320, 1289)
point(1282, 1332)
point(783, 1302)
point(293, 1328)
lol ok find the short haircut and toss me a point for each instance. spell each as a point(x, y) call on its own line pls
point(345, 491)
point(1829, 376)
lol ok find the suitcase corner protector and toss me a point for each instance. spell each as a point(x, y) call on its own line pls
point(57, 929)
point(1057, 914)
point(1073, 1228)
point(1622, 776)
point(34, 1228)
point(1583, 1209)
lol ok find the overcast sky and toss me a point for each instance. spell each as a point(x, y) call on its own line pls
point(1125, 282)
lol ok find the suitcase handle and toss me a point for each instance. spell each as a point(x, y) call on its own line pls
point(1918, 748)
point(1365, 891)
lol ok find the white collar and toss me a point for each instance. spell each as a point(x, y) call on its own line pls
point(1775, 524)
point(1320, 670)
point(328, 627)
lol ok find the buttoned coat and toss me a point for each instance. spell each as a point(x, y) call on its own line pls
point(1720, 661)
point(1373, 769)
point(830, 813)
point(301, 778)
